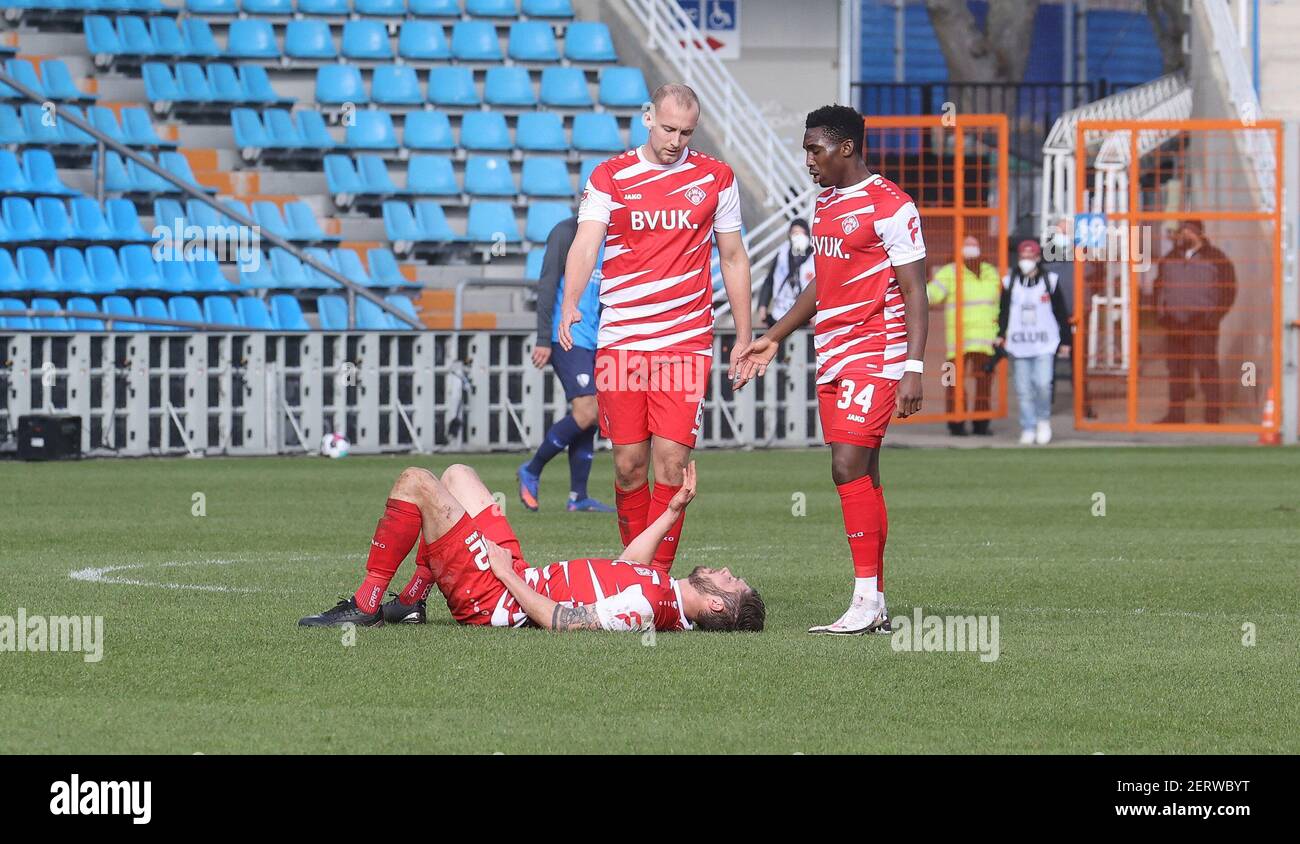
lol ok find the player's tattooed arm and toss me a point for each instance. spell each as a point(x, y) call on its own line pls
point(574, 618)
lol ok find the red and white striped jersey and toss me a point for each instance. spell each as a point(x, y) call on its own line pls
point(860, 233)
point(626, 596)
point(656, 287)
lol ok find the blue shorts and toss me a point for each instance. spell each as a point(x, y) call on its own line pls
point(577, 370)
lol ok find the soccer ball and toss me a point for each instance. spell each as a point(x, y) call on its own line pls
point(334, 445)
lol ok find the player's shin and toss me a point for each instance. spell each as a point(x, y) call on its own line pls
point(862, 525)
point(884, 537)
point(395, 535)
point(667, 552)
point(633, 510)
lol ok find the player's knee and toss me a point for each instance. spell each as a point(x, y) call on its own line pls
point(584, 411)
point(629, 474)
point(458, 474)
point(414, 479)
point(844, 470)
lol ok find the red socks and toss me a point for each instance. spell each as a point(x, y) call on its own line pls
point(884, 537)
point(421, 581)
point(667, 550)
point(862, 524)
point(395, 535)
point(632, 505)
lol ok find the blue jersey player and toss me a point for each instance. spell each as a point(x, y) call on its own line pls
point(576, 368)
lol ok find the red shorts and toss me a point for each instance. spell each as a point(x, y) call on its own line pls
point(645, 393)
point(857, 409)
point(461, 570)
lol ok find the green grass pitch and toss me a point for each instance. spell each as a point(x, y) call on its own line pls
point(1119, 633)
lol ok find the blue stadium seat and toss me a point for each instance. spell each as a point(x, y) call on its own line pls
point(193, 83)
point(547, 8)
point(384, 270)
point(88, 221)
point(303, 224)
point(492, 8)
point(25, 73)
point(371, 317)
point(81, 303)
point(152, 306)
point(251, 38)
point(371, 130)
point(288, 270)
point(213, 7)
point(623, 87)
point(133, 35)
point(70, 133)
point(159, 84)
point(596, 132)
point(509, 85)
point(258, 277)
point(533, 263)
point(226, 87)
point(280, 130)
point(38, 168)
point(287, 313)
point(105, 268)
point(176, 277)
point(49, 323)
point(399, 223)
point(207, 275)
point(323, 7)
point(492, 222)
point(167, 212)
point(349, 264)
point(532, 41)
point(253, 314)
point(268, 216)
point(423, 41)
point(120, 306)
point(434, 8)
point(179, 166)
point(52, 215)
point(589, 41)
point(309, 39)
point(228, 218)
point(395, 84)
point(256, 85)
point(139, 268)
point(489, 176)
point(101, 37)
point(406, 306)
point(58, 81)
point(139, 129)
point(101, 118)
point(10, 280)
point(341, 177)
point(541, 131)
point(475, 41)
point(267, 7)
point(431, 175)
point(249, 132)
point(380, 8)
point(70, 268)
point(184, 308)
point(542, 217)
point(545, 177)
point(35, 127)
point(311, 128)
point(12, 177)
point(166, 35)
point(18, 323)
point(452, 86)
point(332, 312)
point(639, 133)
point(20, 220)
point(35, 271)
point(485, 130)
point(565, 87)
point(373, 173)
point(366, 39)
point(220, 311)
point(11, 126)
point(433, 224)
point(427, 130)
point(318, 279)
point(197, 35)
point(340, 83)
point(123, 220)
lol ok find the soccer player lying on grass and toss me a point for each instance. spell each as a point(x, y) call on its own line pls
point(474, 559)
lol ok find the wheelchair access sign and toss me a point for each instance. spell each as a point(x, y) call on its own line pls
point(719, 22)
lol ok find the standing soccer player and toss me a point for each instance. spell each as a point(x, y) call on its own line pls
point(658, 210)
point(869, 301)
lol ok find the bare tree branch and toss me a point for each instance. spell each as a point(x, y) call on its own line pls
point(998, 53)
point(1170, 23)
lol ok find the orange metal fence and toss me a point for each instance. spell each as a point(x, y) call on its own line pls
point(1178, 282)
point(955, 167)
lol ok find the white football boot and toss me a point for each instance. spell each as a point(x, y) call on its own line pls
point(1027, 437)
point(864, 615)
point(1043, 435)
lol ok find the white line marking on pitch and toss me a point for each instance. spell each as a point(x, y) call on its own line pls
point(1120, 611)
point(100, 574)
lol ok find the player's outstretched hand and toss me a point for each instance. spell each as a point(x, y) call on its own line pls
point(734, 374)
point(498, 557)
point(687, 492)
point(752, 360)
point(567, 319)
point(541, 355)
point(909, 394)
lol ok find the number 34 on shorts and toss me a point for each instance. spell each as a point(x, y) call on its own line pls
point(856, 410)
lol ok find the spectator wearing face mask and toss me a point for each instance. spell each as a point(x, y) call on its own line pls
point(1194, 289)
point(979, 326)
point(1033, 328)
point(789, 275)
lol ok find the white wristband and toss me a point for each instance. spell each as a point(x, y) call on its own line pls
point(914, 366)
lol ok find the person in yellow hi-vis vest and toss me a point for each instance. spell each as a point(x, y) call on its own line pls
point(981, 288)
